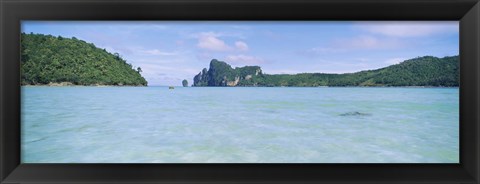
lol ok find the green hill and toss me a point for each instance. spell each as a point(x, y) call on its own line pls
point(47, 59)
point(421, 71)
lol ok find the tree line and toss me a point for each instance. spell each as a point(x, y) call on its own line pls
point(49, 59)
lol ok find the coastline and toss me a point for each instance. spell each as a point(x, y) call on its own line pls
point(329, 86)
point(69, 84)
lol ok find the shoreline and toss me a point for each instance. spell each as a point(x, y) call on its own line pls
point(329, 86)
point(69, 84)
point(250, 86)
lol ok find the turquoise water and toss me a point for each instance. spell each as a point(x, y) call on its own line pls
point(239, 125)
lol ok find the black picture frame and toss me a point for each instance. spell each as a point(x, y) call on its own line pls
point(465, 11)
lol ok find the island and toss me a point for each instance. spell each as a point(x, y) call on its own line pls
point(420, 71)
point(59, 61)
point(185, 83)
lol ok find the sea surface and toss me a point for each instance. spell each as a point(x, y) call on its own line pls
point(239, 125)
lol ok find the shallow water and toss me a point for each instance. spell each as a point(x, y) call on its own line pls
point(239, 125)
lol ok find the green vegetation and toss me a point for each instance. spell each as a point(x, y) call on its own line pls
point(185, 83)
point(222, 74)
point(48, 59)
point(421, 71)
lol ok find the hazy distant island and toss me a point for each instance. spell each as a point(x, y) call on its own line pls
point(58, 61)
point(420, 71)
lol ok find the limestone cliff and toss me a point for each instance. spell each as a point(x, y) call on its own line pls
point(222, 74)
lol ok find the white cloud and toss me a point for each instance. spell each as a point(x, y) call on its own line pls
point(363, 59)
point(324, 66)
point(322, 50)
point(409, 29)
point(122, 50)
point(167, 75)
point(157, 52)
point(243, 60)
point(367, 42)
point(166, 70)
point(393, 61)
point(362, 42)
point(111, 49)
point(242, 46)
point(270, 71)
point(209, 41)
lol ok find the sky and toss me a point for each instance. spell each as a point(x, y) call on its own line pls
point(170, 51)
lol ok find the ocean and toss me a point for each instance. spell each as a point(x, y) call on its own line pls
point(239, 125)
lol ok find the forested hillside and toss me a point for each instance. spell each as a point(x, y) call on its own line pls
point(421, 71)
point(47, 59)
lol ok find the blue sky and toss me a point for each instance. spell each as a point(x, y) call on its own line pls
point(170, 51)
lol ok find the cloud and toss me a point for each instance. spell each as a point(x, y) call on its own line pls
point(210, 41)
point(170, 70)
point(321, 50)
point(367, 42)
point(103, 40)
point(242, 46)
point(393, 61)
point(243, 60)
point(157, 52)
point(409, 29)
point(323, 66)
point(363, 59)
point(383, 36)
point(361, 42)
point(112, 50)
point(270, 71)
point(166, 75)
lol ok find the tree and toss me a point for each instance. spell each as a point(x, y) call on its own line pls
point(139, 69)
point(185, 83)
point(46, 58)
